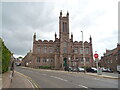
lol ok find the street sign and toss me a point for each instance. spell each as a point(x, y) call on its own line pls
point(96, 55)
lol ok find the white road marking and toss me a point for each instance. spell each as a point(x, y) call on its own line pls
point(59, 78)
point(83, 86)
point(96, 79)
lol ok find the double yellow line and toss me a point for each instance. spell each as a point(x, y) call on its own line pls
point(36, 86)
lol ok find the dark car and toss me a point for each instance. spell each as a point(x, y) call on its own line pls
point(109, 70)
point(18, 64)
point(91, 69)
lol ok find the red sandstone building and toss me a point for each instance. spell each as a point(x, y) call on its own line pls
point(61, 52)
point(111, 58)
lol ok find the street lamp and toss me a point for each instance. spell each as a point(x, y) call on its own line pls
point(83, 52)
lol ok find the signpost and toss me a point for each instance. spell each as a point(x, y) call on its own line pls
point(96, 56)
point(97, 60)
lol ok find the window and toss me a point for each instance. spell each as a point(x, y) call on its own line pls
point(50, 50)
point(38, 49)
point(75, 50)
point(45, 49)
point(64, 50)
point(81, 50)
point(65, 44)
point(87, 50)
point(38, 59)
point(44, 59)
point(51, 59)
point(87, 59)
point(64, 27)
point(81, 60)
point(65, 47)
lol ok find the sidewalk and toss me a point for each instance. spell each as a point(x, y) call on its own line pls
point(19, 81)
point(103, 75)
point(6, 80)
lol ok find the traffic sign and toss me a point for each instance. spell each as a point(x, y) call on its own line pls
point(96, 55)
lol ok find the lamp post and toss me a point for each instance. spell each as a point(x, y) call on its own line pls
point(83, 52)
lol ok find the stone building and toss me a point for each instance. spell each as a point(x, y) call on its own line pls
point(111, 58)
point(62, 52)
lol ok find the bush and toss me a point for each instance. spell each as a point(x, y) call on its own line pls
point(87, 67)
point(5, 56)
point(46, 67)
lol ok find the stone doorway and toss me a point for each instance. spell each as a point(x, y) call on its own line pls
point(65, 64)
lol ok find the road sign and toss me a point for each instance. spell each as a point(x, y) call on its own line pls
point(96, 55)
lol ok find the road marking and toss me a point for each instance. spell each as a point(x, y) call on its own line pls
point(97, 79)
point(59, 78)
point(30, 79)
point(31, 83)
point(44, 74)
point(83, 86)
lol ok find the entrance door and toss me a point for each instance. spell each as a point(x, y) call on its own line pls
point(65, 63)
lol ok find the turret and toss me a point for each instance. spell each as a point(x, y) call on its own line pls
point(67, 14)
point(34, 37)
point(55, 35)
point(71, 37)
point(61, 13)
point(90, 39)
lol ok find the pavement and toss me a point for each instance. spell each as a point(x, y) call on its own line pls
point(19, 80)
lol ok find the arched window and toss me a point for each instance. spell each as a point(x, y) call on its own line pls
point(65, 47)
point(45, 49)
point(38, 49)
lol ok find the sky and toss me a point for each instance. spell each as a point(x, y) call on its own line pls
point(19, 20)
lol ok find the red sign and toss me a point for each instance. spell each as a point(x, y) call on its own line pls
point(96, 55)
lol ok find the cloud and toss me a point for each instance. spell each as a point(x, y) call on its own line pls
point(96, 18)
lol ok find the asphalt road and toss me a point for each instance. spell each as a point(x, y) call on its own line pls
point(52, 79)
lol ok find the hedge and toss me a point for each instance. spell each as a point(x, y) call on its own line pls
point(46, 67)
point(5, 56)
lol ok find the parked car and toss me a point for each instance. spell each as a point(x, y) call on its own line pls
point(75, 70)
point(18, 64)
point(118, 69)
point(104, 69)
point(91, 69)
point(80, 69)
point(70, 68)
point(109, 70)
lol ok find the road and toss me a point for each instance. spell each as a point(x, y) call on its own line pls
point(53, 79)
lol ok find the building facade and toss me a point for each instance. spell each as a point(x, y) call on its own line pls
point(62, 52)
point(111, 58)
